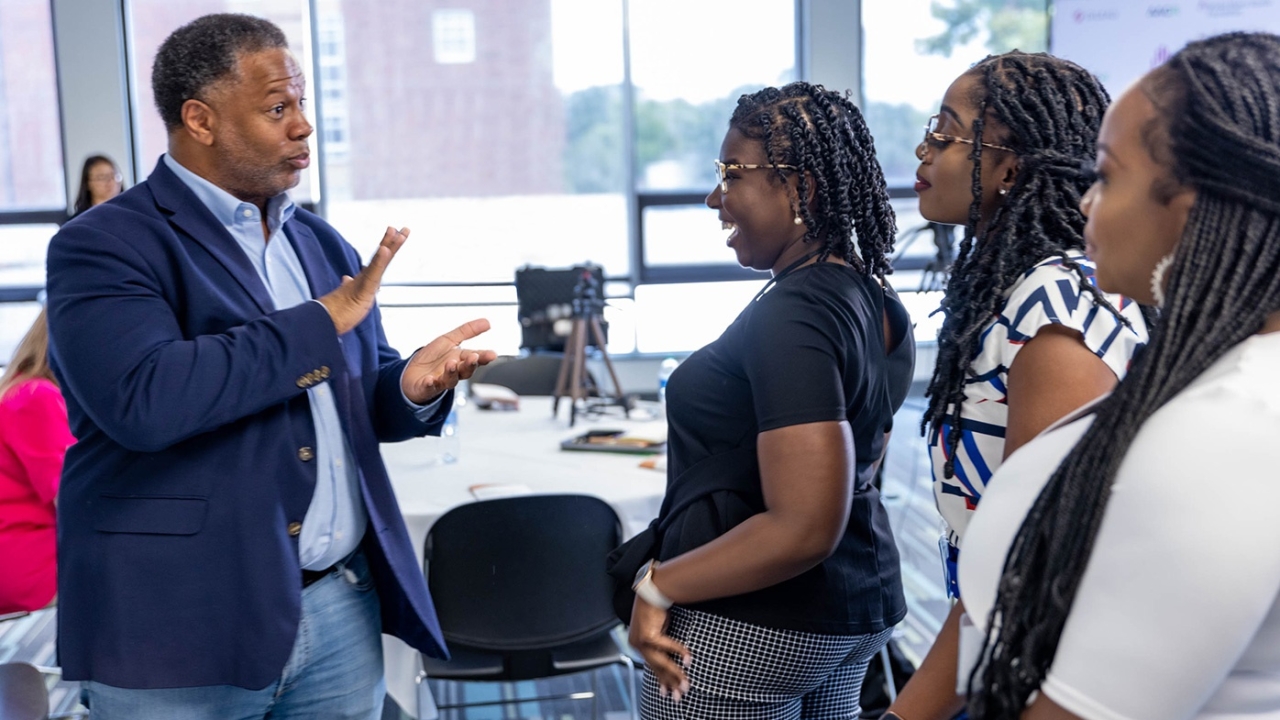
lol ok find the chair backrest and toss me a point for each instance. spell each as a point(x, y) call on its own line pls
point(523, 573)
point(531, 375)
point(23, 695)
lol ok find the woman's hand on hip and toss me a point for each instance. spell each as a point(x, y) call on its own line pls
point(649, 637)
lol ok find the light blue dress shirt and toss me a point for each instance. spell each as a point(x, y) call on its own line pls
point(336, 519)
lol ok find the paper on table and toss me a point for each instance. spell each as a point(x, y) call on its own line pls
point(488, 491)
point(497, 397)
point(658, 462)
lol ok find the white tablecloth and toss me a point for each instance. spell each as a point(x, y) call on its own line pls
point(511, 448)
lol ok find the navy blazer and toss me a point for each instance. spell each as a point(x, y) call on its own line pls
point(182, 498)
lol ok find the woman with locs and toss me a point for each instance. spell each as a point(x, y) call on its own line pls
point(769, 596)
point(1028, 336)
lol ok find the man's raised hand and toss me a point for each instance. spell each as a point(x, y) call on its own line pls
point(351, 301)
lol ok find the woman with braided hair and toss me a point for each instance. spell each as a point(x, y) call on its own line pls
point(1126, 564)
point(776, 576)
point(1028, 337)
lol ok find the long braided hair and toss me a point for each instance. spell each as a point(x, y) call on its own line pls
point(823, 134)
point(1219, 130)
point(1052, 110)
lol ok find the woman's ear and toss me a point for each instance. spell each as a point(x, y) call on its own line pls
point(811, 192)
point(1008, 172)
point(1181, 205)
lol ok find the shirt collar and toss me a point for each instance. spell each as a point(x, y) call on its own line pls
point(227, 208)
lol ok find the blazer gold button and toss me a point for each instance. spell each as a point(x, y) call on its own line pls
point(305, 453)
point(324, 372)
point(295, 529)
point(302, 382)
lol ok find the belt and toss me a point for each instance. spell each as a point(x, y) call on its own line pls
point(311, 577)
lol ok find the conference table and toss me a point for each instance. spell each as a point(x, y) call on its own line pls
point(512, 452)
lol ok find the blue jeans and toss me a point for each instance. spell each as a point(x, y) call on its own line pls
point(333, 673)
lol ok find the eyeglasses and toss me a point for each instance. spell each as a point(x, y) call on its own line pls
point(941, 141)
point(722, 168)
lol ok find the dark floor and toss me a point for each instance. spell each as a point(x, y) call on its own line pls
point(907, 496)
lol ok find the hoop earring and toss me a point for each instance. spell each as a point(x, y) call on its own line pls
point(1158, 274)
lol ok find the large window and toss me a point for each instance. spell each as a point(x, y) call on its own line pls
point(492, 130)
point(31, 175)
point(689, 73)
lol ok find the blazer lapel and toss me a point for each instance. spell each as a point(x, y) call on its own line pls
point(320, 276)
point(190, 215)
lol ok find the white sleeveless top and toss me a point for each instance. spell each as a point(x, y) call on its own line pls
point(1177, 615)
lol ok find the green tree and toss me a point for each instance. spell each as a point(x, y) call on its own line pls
point(1007, 25)
point(593, 141)
point(666, 130)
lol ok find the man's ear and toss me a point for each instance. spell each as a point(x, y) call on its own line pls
point(199, 121)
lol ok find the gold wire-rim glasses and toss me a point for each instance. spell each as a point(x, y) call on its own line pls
point(722, 168)
point(943, 139)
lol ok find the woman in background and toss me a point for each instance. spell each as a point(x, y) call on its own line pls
point(100, 180)
point(1127, 564)
point(780, 579)
point(1028, 337)
point(34, 437)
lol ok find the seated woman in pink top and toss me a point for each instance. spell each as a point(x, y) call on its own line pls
point(34, 437)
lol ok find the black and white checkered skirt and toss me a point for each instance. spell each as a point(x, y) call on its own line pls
point(748, 672)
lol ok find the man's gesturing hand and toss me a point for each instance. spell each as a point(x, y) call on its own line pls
point(351, 302)
point(440, 364)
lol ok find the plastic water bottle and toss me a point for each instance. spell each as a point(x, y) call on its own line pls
point(450, 444)
point(667, 367)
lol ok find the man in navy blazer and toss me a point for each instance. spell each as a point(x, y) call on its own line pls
point(230, 545)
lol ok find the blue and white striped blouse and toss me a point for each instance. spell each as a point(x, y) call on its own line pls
point(1048, 293)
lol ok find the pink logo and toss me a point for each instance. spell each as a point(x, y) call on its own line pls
point(1161, 56)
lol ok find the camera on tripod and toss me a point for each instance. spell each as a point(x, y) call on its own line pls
point(588, 301)
point(548, 302)
point(564, 310)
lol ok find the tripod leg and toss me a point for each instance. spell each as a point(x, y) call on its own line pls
point(579, 357)
point(562, 378)
point(598, 332)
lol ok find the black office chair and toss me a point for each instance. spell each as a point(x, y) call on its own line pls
point(530, 375)
point(521, 590)
point(24, 694)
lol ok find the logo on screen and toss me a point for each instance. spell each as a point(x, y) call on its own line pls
point(1228, 8)
point(1162, 11)
point(1083, 16)
point(1160, 57)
